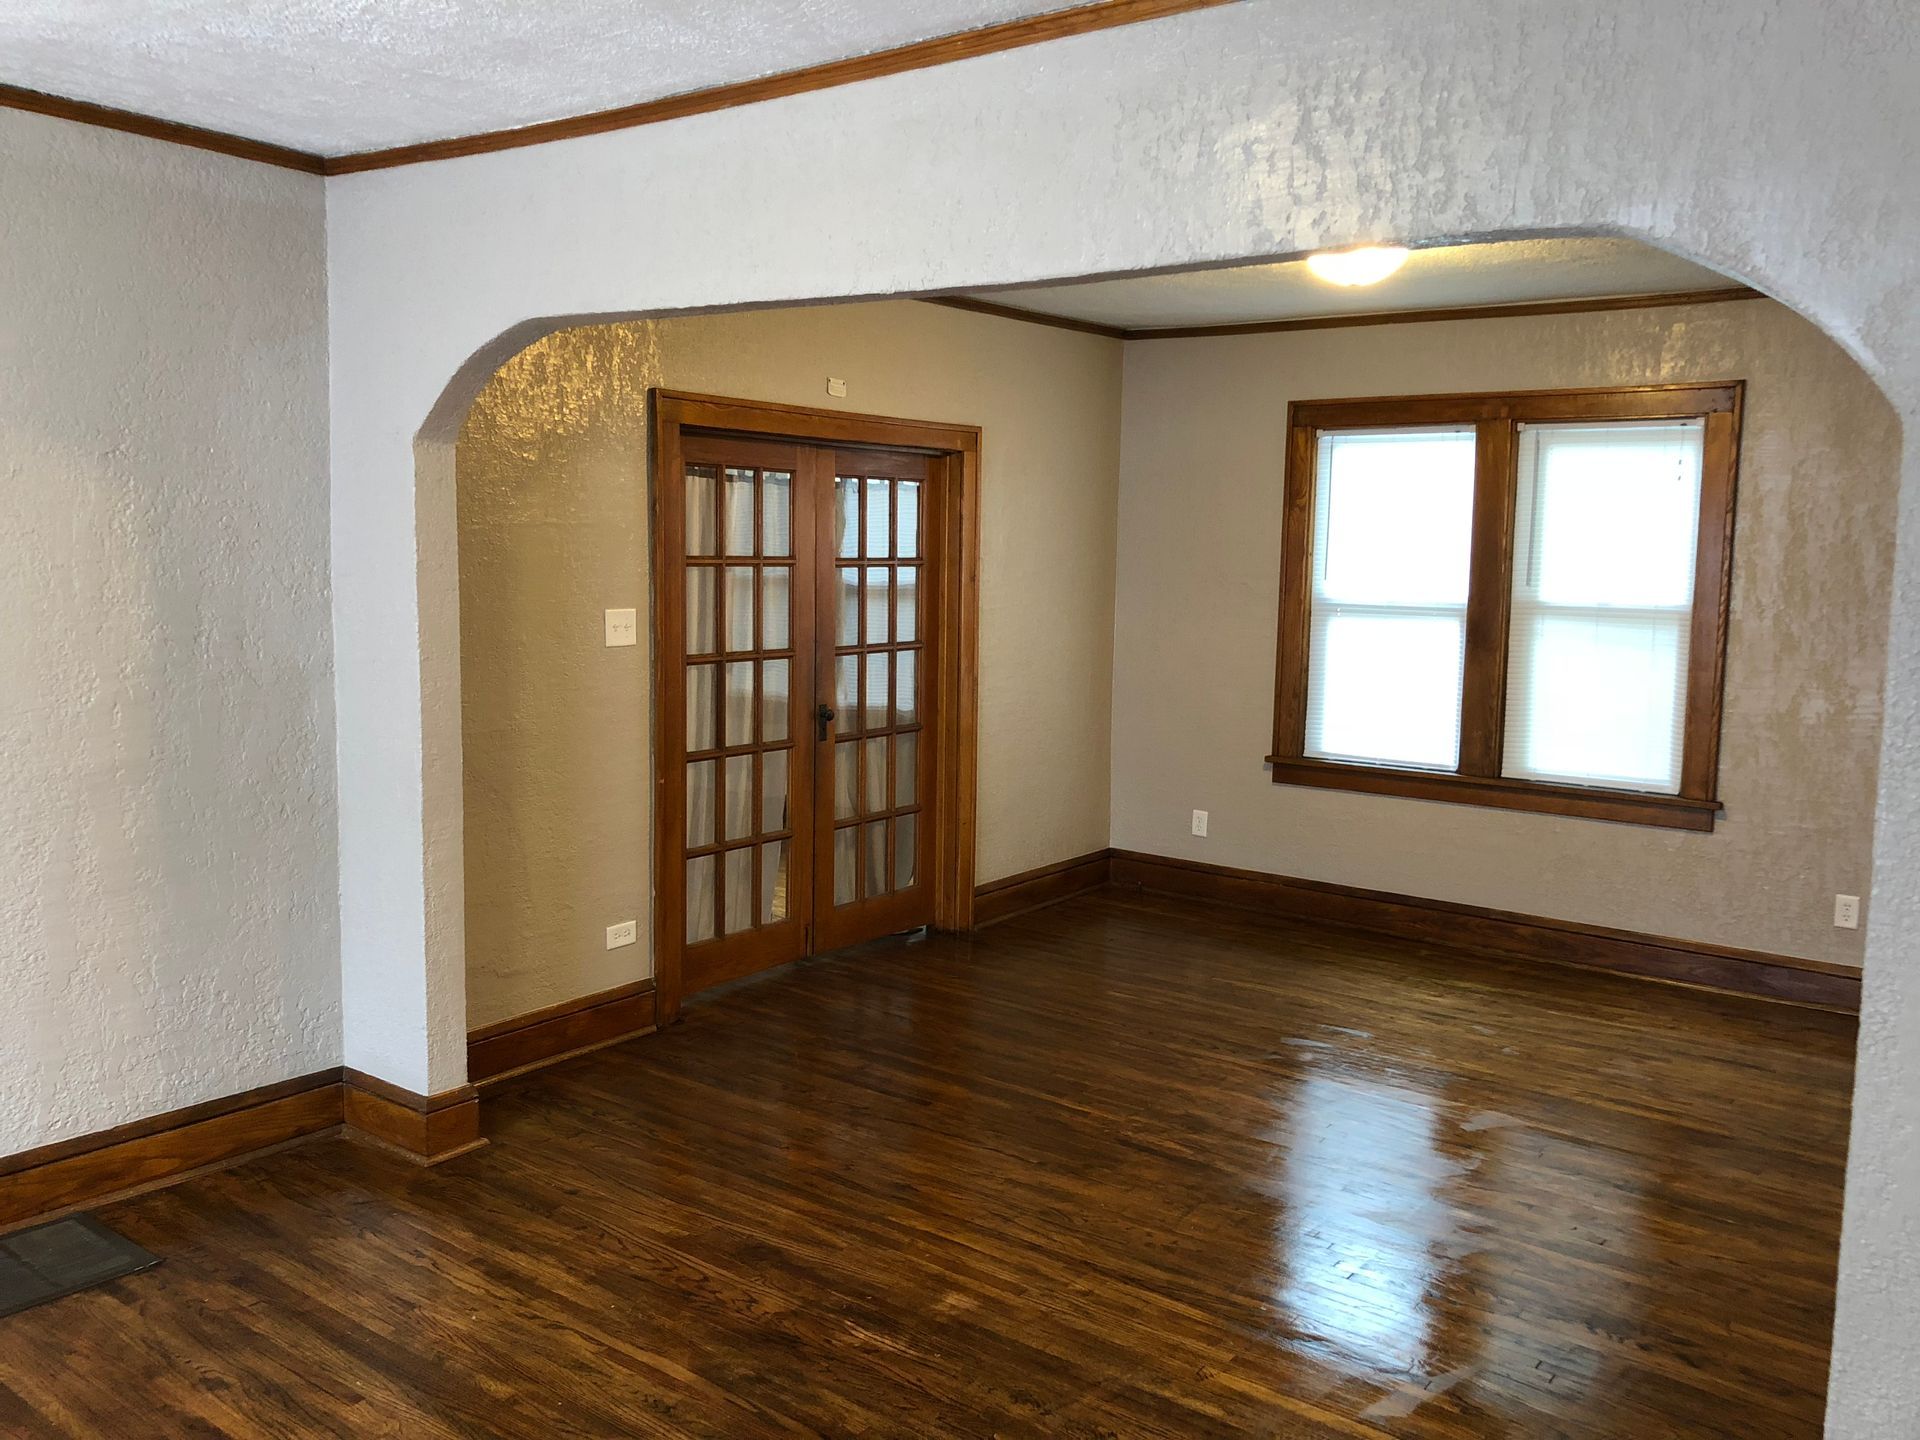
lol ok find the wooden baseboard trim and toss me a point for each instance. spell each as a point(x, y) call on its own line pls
point(162, 1149)
point(165, 1149)
point(427, 1129)
point(559, 1032)
point(1785, 978)
point(1048, 885)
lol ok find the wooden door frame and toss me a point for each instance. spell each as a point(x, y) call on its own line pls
point(955, 453)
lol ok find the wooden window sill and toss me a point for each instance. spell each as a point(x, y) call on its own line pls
point(1626, 807)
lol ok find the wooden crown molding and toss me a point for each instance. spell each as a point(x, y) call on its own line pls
point(1031, 317)
point(921, 55)
point(1653, 301)
point(129, 122)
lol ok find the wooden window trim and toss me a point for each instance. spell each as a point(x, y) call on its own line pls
point(1496, 419)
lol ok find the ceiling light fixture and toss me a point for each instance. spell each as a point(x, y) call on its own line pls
point(1367, 265)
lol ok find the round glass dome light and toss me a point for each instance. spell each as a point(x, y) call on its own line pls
point(1367, 265)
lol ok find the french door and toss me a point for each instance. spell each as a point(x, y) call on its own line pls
point(797, 762)
point(871, 818)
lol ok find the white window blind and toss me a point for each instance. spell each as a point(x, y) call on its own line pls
point(1392, 540)
point(1605, 528)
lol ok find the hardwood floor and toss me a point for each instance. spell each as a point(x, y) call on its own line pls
point(1121, 1167)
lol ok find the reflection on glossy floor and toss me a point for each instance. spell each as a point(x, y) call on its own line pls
point(1123, 1167)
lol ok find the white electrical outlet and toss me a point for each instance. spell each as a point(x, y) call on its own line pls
point(1846, 912)
point(837, 387)
point(623, 627)
point(1200, 822)
point(625, 933)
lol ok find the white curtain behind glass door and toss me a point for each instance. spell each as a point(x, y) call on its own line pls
point(1392, 539)
point(1605, 530)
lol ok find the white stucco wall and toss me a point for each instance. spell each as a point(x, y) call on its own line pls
point(168, 916)
point(1772, 138)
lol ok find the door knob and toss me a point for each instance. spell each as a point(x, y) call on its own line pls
point(824, 716)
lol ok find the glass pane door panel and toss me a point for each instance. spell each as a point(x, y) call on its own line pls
point(738, 802)
point(845, 867)
point(906, 690)
point(739, 608)
point(738, 729)
point(702, 616)
point(703, 508)
point(775, 899)
point(774, 812)
point(846, 779)
point(907, 496)
point(702, 780)
point(739, 890)
point(846, 690)
point(875, 793)
point(879, 527)
point(847, 606)
point(906, 751)
point(700, 899)
point(879, 606)
point(879, 679)
point(776, 608)
point(906, 604)
point(776, 514)
point(905, 834)
point(846, 517)
point(703, 731)
point(739, 512)
point(776, 700)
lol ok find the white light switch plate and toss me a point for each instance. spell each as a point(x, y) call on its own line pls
point(625, 933)
point(623, 627)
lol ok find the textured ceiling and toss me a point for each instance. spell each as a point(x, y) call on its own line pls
point(1505, 272)
point(336, 76)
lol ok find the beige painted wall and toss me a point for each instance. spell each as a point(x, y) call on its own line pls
point(552, 470)
point(1201, 468)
